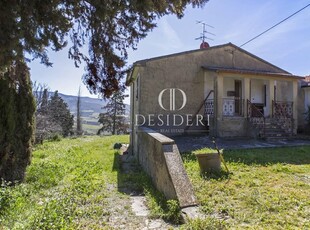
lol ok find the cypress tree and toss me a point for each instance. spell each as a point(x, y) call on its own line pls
point(79, 130)
point(17, 108)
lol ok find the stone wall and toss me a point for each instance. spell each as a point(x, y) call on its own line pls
point(160, 158)
point(232, 127)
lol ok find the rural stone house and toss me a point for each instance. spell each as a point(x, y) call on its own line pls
point(223, 90)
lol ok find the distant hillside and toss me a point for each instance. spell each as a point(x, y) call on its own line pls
point(90, 110)
point(88, 105)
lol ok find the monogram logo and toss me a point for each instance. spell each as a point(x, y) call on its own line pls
point(172, 94)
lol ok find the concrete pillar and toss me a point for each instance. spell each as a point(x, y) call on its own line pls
point(246, 94)
point(295, 105)
point(270, 97)
point(218, 103)
point(219, 94)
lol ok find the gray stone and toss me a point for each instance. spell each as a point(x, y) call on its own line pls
point(190, 213)
point(138, 206)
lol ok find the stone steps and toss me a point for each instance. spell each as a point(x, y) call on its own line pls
point(273, 131)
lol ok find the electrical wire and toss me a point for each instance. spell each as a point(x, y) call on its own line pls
point(275, 25)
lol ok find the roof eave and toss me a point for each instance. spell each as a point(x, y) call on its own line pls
point(253, 72)
point(134, 71)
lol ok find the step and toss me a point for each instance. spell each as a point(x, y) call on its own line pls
point(276, 135)
point(274, 131)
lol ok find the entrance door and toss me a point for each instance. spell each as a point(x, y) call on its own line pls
point(238, 96)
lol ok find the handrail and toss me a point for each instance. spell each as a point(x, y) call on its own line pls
point(283, 113)
point(249, 103)
point(204, 101)
point(250, 106)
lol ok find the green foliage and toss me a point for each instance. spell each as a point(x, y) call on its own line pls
point(16, 122)
point(109, 28)
point(273, 182)
point(56, 137)
point(60, 114)
point(173, 213)
point(208, 223)
point(79, 130)
point(57, 213)
point(5, 198)
point(53, 117)
point(307, 118)
point(113, 120)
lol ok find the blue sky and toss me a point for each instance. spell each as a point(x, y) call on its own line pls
point(236, 21)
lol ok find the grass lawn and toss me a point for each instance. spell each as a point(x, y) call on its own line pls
point(78, 184)
point(65, 186)
point(267, 189)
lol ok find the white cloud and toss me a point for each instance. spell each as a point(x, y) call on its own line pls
point(169, 39)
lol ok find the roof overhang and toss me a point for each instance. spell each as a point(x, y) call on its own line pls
point(305, 85)
point(251, 72)
point(133, 73)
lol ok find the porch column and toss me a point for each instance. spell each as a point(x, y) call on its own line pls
point(295, 105)
point(246, 93)
point(219, 97)
point(270, 97)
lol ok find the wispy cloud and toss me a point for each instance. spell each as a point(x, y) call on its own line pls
point(169, 37)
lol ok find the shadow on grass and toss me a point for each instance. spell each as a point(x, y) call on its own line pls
point(267, 156)
point(263, 156)
point(130, 176)
point(133, 181)
point(222, 175)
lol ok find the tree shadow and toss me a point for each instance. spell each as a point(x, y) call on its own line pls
point(262, 156)
point(267, 156)
point(130, 176)
point(133, 181)
point(220, 176)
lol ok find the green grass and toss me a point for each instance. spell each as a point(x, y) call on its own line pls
point(266, 189)
point(65, 186)
point(92, 129)
point(70, 184)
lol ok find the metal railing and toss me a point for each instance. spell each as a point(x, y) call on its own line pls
point(256, 117)
point(282, 109)
point(282, 112)
point(233, 107)
point(209, 107)
point(200, 107)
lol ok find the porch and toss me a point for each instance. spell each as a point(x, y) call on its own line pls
point(251, 105)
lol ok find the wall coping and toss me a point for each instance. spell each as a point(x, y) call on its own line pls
point(158, 136)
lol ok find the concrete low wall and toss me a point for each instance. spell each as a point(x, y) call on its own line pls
point(232, 127)
point(160, 158)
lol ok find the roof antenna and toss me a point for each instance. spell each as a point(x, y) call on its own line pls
point(203, 35)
